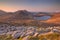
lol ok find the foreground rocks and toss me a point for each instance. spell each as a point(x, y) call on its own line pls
point(25, 31)
point(26, 38)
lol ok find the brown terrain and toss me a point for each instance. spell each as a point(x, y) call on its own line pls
point(25, 17)
point(15, 16)
point(54, 19)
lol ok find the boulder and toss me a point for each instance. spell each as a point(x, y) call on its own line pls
point(26, 38)
point(16, 34)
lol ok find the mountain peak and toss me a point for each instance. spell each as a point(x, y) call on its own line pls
point(2, 11)
point(21, 11)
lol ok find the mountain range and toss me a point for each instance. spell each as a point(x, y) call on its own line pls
point(24, 16)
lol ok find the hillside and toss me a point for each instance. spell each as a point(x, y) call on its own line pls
point(16, 16)
point(55, 18)
point(29, 18)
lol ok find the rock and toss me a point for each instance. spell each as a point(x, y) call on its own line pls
point(9, 33)
point(29, 33)
point(23, 34)
point(13, 28)
point(56, 31)
point(16, 34)
point(2, 33)
point(35, 34)
point(26, 38)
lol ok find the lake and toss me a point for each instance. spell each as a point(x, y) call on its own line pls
point(42, 18)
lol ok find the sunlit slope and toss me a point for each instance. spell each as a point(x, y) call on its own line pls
point(54, 19)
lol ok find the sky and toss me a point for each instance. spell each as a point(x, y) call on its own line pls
point(30, 5)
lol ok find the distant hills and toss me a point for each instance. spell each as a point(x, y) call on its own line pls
point(24, 16)
point(2, 12)
point(18, 15)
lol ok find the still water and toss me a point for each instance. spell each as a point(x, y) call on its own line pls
point(42, 18)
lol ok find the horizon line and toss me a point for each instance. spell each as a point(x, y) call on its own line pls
point(27, 10)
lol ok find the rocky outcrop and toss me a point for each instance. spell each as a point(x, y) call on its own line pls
point(26, 38)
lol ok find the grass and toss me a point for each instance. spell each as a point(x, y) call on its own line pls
point(6, 37)
point(53, 36)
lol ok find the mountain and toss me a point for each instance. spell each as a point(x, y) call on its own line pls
point(26, 17)
point(19, 16)
point(39, 14)
point(2, 12)
point(22, 14)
